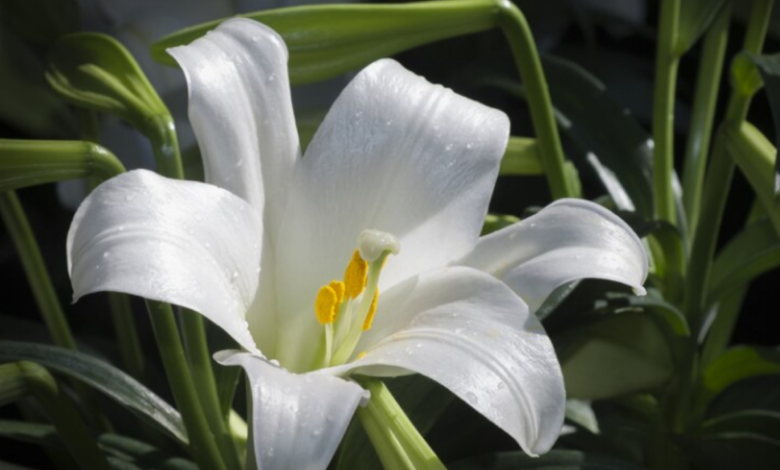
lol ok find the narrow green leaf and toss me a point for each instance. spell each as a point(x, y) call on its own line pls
point(769, 67)
point(752, 252)
point(43, 435)
point(554, 460)
point(761, 392)
point(95, 71)
point(104, 377)
point(631, 344)
point(735, 365)
point(327, 40)
point(695, 17)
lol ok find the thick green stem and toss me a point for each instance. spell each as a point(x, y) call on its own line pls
point(704, 103)
point(199, 360)
point(202, 444)
point(516, 30)
point(391, 432)
point(667, 60)
point(30, 378)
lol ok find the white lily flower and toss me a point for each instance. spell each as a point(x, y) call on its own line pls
point(394, 187)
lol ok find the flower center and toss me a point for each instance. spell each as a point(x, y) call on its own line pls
point(346, 308)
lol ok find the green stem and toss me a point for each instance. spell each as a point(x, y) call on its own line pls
point(204, 448)
point(28, 377)
point(161, 132)
point(38, 277)
point(516, 30)
point(719, 181)
point(395, 436)
point(199, 358)
point(704, 103)
point(666, 64)
point(127, 335)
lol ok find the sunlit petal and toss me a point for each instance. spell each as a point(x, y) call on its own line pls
point(568, 240)
point(182, 242)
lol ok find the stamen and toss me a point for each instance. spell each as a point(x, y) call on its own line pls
point(355, 276)
point(339, 288)
point(371, 311)
point(325, 305)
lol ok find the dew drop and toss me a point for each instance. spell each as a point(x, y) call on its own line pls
point(501, 385)
point(208, 245)
point(470, 145)
point(234, 276)
point(471, 398)
point(448, 147)
point(106, 254)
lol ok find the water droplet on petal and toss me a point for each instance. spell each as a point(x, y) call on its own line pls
point(472, 398)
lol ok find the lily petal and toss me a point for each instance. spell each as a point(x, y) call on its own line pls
point(398, 154)
point(568, 240)
point(472, 334)
point(241, 111)
point(298, 420)
point(186, 243)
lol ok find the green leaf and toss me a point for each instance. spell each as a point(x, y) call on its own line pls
point(761, 392)
point(735, 365)
point(554, 460)
point(327, 40)
point(95, 71)
point(695, 17)
point(614, 355)
point(422, 399)
point(104, 377)
point(752, 252)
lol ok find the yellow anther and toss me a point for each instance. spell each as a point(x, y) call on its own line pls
point(326, 304)
point(355, 276)
point(371, 311)
point(339, 287)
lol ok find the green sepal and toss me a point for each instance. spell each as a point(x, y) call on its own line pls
point(32, 162)
point(327, 40)
point(95, 71)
